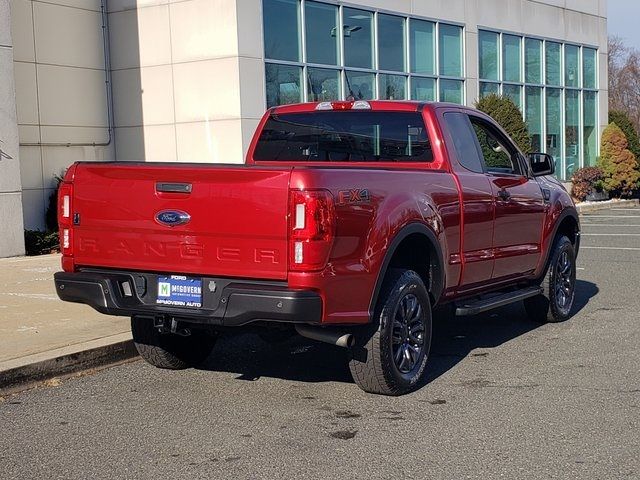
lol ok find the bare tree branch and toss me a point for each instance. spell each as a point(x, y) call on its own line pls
point(624, 79)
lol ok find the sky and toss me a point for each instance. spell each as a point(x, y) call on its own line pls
point(624, 17)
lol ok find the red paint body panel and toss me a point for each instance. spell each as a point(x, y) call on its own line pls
point(238, 223)
point(517, 227)
point(240, 219)
point(364, 231)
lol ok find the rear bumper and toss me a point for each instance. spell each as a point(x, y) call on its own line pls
point(225, 302)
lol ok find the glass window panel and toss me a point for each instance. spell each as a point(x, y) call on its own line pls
point(323, 84)
point(571, 66)
point(488, 50)
point(511, 58)
point(360, 85)
point(358, 38)
point(281, 35)
point(356, 136)
point(552, 58)
point(589, 67)
point(514, 92)
point(391, 49)
point(495, 152)
point(572, 132)
point(489, 88)
point(533, 116)
point(283, 84)
point(590, 135)
point(322, 33)
point(464, 141)
point(392, 87)
point(423, 89)
point(450, 50)
point(451, 91)
point(423, 41)
point(533, 60)
point(554, 125)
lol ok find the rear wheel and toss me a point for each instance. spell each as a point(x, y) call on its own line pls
point(170, 351)
point(391, 354)
point(556, 300)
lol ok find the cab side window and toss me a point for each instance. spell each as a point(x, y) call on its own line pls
point(463, 139)
point(500, 156)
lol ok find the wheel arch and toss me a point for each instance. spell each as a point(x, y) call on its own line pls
point(430, 253)
point(568, 223)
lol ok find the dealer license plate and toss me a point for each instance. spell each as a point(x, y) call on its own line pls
point(180, 291)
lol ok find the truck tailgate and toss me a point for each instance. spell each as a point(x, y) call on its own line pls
point(237, 225)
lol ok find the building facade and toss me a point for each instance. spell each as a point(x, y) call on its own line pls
point(188, 80)
point(11, 239)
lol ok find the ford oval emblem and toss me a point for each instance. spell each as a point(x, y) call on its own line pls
point(172, 218)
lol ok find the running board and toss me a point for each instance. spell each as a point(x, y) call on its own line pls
point(474, 307)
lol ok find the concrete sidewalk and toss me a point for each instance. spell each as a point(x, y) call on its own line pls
point(39, 332)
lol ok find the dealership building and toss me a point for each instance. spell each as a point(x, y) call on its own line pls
point(188, 80)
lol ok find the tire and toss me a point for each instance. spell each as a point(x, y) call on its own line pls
point(384, 360)
point(555, 302)
point(170, 351)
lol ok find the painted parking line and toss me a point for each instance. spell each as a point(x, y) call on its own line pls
point(585, 217)
point(610, 234)
point(611, 248)
point(587, 224)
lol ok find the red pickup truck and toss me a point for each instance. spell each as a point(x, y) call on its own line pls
point(349, 223)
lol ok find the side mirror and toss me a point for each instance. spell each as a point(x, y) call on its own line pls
point(542, 164)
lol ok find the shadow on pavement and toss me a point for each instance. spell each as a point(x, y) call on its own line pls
point(299, 359)
point(585, 291)
point(295, 359)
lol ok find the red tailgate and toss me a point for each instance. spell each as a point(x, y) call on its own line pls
point(237, 225)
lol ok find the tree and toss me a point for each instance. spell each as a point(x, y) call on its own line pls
point(624, 79)
point(622, 120)
point(508, 115)
point(617, 162)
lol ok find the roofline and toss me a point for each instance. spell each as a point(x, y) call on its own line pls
point(376, 105)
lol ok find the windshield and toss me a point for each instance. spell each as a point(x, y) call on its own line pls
point(344, 136)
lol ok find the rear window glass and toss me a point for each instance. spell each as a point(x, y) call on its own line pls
point(345, 136)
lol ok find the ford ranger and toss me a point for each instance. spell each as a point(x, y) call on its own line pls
point(348, 224)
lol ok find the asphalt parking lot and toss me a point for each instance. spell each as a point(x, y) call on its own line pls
point(506, 398)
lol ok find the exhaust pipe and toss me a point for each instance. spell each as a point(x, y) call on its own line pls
point(345, 340)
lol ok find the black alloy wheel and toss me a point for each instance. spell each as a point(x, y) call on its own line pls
point(408, 334)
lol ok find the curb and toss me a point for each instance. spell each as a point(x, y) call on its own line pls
point(596, 206)
point(25, 372)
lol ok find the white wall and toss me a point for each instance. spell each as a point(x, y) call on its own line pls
point(177, 72)
point(11, 233)
point(60, 92)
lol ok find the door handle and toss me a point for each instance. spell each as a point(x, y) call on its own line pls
point(173, 187)
point(504, 195)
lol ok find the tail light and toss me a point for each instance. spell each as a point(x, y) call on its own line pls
point(65, 219)
point(312, 221)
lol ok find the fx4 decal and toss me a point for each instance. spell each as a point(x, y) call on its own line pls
point(356, 195)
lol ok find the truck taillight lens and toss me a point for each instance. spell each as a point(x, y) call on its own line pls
point(65, 217)
point(312, 225)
